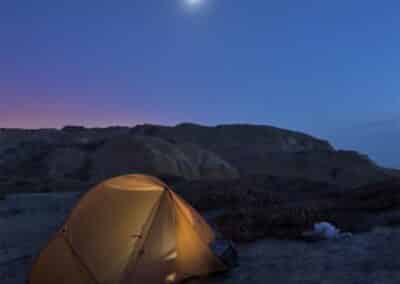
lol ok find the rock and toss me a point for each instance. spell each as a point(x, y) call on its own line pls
point(209, 165)
point(152, 155)
point(254, 149)
point(79, 155)
point(67, 162)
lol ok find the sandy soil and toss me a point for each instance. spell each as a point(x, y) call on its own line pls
point(27, 221)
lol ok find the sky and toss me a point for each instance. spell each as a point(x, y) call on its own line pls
point(328, 68)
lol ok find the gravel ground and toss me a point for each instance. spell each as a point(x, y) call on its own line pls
point(27, 221)
point(370, 258)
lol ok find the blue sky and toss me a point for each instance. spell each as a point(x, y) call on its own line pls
point(322, 67)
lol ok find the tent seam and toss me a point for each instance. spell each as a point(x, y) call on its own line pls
point(154, 212)
point(80, 260)
point(205, 244)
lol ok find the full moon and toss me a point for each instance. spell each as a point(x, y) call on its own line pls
point(193, 2)
point(193, 6)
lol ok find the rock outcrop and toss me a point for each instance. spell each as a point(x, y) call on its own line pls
point(76, 157)
point(152, 155)
point(255, 149)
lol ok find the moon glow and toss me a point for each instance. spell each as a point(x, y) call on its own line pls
point(193, 2)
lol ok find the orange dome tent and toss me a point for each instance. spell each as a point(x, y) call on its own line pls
point(129, 229)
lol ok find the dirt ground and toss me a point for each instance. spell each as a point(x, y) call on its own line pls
point(27, 221)
point(371, 258)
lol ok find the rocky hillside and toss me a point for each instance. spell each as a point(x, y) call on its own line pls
point(72, 158)
point(255, 149)
point(75, 157)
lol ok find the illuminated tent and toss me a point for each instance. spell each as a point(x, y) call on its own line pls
point(129, 229)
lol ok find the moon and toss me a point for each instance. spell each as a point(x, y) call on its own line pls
point(194, 6)
point(193, 2)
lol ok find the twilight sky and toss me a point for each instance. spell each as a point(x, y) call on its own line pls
point(329, 68)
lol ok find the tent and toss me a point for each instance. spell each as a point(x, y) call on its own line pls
point(129, 229)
